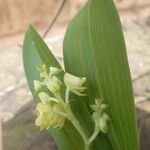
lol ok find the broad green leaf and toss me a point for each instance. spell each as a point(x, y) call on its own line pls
point(94, 47)
point(36, 52)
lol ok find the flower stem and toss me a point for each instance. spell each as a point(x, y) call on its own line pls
point(93, 136)
point(77, 125)
point(67, 95)
point(71, 117)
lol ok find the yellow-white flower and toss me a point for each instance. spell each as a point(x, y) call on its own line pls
point(37, 86)
point(100, 117)
point(57, 118)
point(98, 106)
point(43, 108)
point(45, 98)
point(47, 116)
point(42, 122)
point(75, 84)
point(54, 71)
point(103, 125)
point(53, 84)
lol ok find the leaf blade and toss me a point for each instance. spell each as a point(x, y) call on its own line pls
point(36, 52)
point(101, 57)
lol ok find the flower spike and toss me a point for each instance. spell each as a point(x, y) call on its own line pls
point(100, 118)
point(53, 111)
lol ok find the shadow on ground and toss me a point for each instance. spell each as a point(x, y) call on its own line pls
point(144, 129)
point(20, 133)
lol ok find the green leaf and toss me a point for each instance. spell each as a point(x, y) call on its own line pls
point(94, 47)
point(36, 52)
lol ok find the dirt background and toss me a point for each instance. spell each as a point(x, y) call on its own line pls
point(17, 129)
point(15, 16)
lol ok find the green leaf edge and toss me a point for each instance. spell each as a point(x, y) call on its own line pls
point(35, 52)
point(69, 58)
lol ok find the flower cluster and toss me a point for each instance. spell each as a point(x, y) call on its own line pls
point(49, 79)
point(48, 115)
point(99, 116)
point(51, 111)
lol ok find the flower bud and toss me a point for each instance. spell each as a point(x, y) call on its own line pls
point(98, 101)
point(54, 71)
point(37, 86)
point(42, 70)
point(42, 121)
point(96, 115)
point(53, 84)
point(104, 106)
point(95, 107)
point(42, 111)
point(45, 98)
point(103, 125)
point(106, 117)
point(43, 108)
point(49, 115)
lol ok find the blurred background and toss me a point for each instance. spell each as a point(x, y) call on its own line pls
point(51, 17)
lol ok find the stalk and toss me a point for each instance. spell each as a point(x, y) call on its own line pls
point(70, 116)
point(77, 125)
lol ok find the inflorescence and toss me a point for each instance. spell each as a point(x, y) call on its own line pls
point(53, 109)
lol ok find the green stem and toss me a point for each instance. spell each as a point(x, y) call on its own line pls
point(72, 118)
point(77, 125)
point(67, 95)
point(93, 136)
